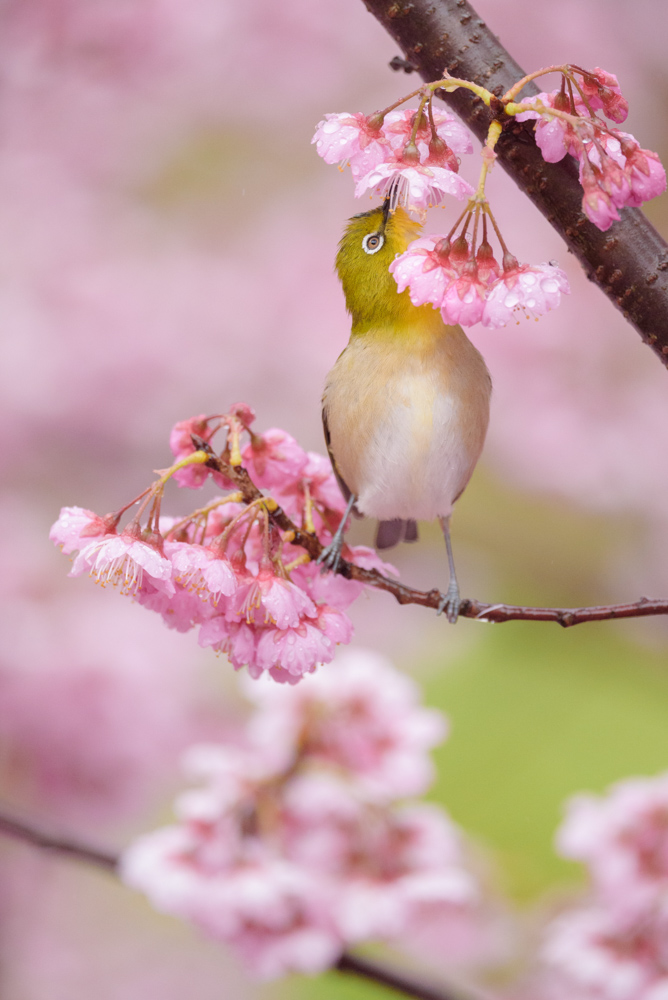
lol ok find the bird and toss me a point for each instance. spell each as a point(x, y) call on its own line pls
point(405, 408)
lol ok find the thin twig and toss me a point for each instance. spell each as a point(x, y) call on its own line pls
point(395, 980)
point(470, 608)
point(76, 851)
point(30, 834)
point(629, 262)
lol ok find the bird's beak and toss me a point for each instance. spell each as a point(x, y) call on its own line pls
point(386, 209)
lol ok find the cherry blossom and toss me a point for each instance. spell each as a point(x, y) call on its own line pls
point(361, 715)
point(252, 592)
point(296, 843)
point(601, 91)
point(415, 186)
point(75, 524)
point(471, 290)
point(126, 560)
point(614, 947)
point(614, 170)
point(354, 139)
point(532, 289)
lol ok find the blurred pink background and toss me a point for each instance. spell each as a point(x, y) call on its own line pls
point(168, 236)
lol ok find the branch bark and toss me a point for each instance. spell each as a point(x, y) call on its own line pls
point(470, 608)
point(395, 980)
point(27, 832)
point(629, 262)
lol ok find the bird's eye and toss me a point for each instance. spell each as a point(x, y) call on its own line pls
point(373, 242)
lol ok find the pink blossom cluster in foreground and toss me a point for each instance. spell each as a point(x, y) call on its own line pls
point(225, 568)
point(383, 160)
point(470, 287)
point(298, 843)
point(614, 170)
point(616, 948)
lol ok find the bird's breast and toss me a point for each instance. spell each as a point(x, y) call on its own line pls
point(407, 418)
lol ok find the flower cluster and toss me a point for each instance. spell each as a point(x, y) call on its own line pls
point(468, 286)
point(296, 846)
point(409, 157)
point(226, 568)
point(614, 170)
point(617, 947)
point(405, 154)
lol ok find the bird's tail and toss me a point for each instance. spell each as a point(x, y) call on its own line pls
point(389, 533)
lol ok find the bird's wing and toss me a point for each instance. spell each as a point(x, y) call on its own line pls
point(347, 493)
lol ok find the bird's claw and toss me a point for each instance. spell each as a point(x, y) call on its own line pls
point(450, 603)
point(330, 557)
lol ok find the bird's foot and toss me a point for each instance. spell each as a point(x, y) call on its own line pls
point(330, 557)
point(450, 603)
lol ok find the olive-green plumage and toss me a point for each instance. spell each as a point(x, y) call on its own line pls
point(370, 290)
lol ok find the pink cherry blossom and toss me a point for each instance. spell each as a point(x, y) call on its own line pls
point(290, 653)
point(425, 271)
point(293, 845)
point(398, 126)
point(74, 526)
point(554, 136)
point(271, 911)
point(591, 955)
point(362, 716)
point(273, 458)
point(354, 139)
point(266, 598)
point(198, 569)
point(601, 90)
point(530, 289)
point(415, 186)
point(623, 839)
point(194, 476)
point(181, 610)
point(126, 560)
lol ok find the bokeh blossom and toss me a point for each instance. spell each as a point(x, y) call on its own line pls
point(297, 842)
point(614, 947)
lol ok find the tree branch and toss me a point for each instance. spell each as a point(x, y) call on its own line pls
point(76, 851)
point(395, 980)
point(629, 262)
point(21, 830)
point(470, 608)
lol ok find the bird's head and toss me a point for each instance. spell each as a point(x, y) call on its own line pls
point(369, 244)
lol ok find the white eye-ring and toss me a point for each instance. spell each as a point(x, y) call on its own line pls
point(373, 242)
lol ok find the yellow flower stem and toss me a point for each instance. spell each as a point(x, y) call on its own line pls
point(541, 109)
point(203, 512)
point(452, 83)
point(233, 441)
point(511, 94)
point(425, 96)
point(479, 200)
point(299, 561)
point(196, 458)
point(308, 511)
point(386, 111)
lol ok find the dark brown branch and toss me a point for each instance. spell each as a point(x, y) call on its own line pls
point(74, 850)
point(395, 980)
point(431, 598)
point(629, 262)
point(30, 834)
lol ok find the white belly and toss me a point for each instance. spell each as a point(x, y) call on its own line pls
point(407, 423)
point(417, 462)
